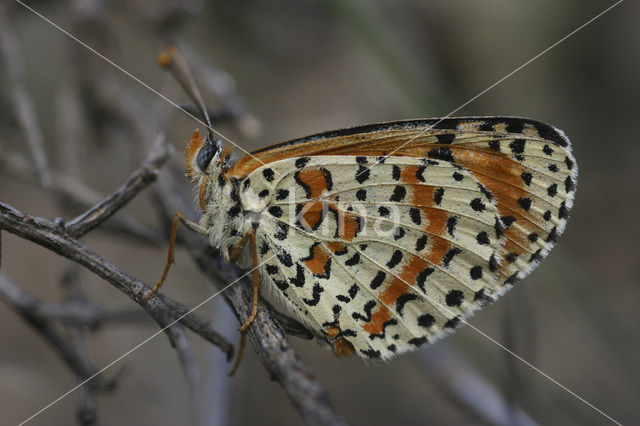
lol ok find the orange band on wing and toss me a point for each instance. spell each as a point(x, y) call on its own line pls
point(318, 260)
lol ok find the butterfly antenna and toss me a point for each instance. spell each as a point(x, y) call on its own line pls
point(172, 60)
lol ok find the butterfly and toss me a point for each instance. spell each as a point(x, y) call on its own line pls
point(383, 238)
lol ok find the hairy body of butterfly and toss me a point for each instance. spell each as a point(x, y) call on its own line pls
point(383, 238)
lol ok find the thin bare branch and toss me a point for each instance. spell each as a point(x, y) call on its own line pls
point(468, 390)
point(139, 180)
point(73, 195)
point(90, 314)
point(24, 108)
point(86, 400)
point(26, 305)
point(55, 237)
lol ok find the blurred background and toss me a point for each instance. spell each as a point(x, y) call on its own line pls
point(285, 69)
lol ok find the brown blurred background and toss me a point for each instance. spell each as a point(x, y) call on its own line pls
point(308, 66)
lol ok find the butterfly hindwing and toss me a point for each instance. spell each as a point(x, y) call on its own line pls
point(393, 269)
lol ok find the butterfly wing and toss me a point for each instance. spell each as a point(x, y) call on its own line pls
point(395, 251)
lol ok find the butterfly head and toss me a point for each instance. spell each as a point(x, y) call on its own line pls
point(200, 155)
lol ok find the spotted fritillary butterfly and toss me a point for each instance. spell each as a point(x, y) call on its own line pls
point(383, 238)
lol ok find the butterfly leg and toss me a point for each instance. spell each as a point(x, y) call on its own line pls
point(236, 364)
point(233, 256)
point(194, 226)
point(256, 276)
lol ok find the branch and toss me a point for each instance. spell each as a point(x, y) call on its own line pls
point(55, 237)
point(24, 109)
point(88, 314)
point(26, 305)
point(139, 180)
point(86, 400)
point(468, 390)
point(73, 194)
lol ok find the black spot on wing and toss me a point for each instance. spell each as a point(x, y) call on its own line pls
point(485, 191)
point(396, 258)
point(441, 153)
point(569, 185)
point(353, 290)
point(476, 272)
point(451, 224)
point(563, 212)
point(378, 280)
point(301, 162)
point(272, 269)
point(517, 146)
point(452, 323)
point(414, 213)
point(399, 192)
point(493, 264)
point(299, 279)
point(454, 298)
point(437, 196)
point(449, 255)
point(482, 238)
point(264, 248)
point(395, 172)
point(426, 320)
point(282, 194)
point(385, 324)
point(403, 299)
point(422, 277)
point(354, 260)
point(275, 211)
point(421, 243)
point(362, 175)
point(281, 231)
point(285, 259)
point(418, 341)
point(315, 299)
point(447, 138)
point(478, 205)
point(507, 221)
point(525, 203)
point(568, 162)
point(547, 132)
point(370, 353)
point(367, 312)
point(553, 236)
point(268, 174)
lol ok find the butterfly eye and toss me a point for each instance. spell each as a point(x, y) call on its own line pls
point(205, 155)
